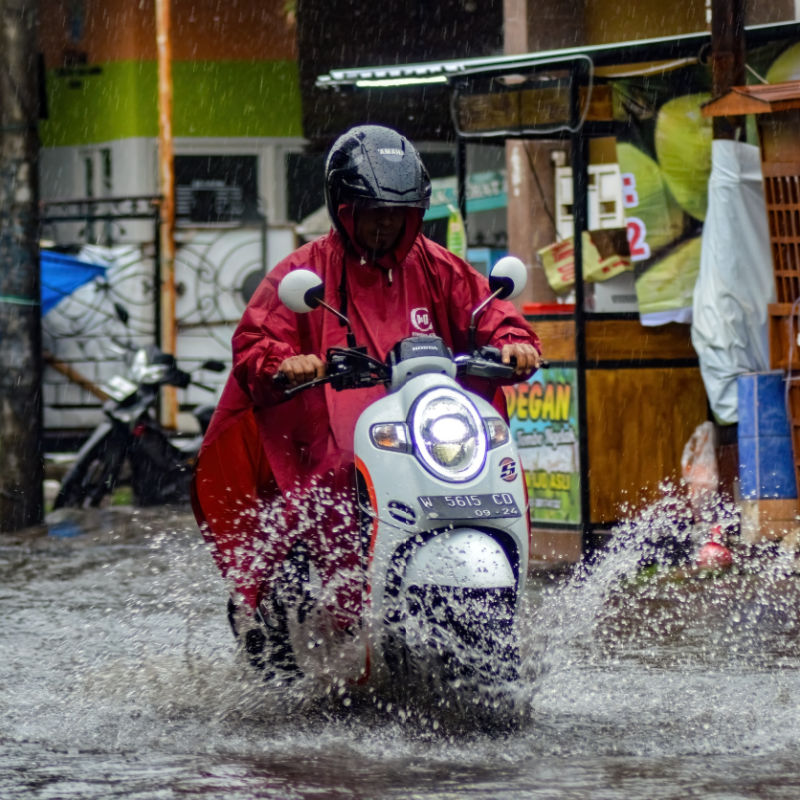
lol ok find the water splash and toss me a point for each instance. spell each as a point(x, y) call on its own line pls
point(120, 679)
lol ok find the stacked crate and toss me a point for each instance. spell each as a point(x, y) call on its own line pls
point(780, 163)
point(777, 110)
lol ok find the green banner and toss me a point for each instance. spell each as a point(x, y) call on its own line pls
point(543, 414)
point(118, 100)
point(485, 191)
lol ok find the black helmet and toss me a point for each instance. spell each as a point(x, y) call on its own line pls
point(376, 166)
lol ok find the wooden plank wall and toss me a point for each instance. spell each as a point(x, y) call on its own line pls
point(638, 421)
point(644, 398)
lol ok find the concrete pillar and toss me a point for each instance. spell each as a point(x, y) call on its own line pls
point(533, 25)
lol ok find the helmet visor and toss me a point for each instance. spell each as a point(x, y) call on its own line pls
point(384, 202)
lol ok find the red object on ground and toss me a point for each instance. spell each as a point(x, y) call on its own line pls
point(713, 555)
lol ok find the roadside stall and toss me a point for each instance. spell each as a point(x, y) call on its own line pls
point(602, 428)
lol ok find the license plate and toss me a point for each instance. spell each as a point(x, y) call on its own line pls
point(469, 506)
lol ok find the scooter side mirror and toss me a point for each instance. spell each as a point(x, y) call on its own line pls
point(301, 290)
point(213, 366)
point(508, 275)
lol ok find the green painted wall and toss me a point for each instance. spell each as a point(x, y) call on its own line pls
point(210, 98)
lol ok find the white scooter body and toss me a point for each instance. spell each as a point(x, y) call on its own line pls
point(481, 544)
point(423, 531)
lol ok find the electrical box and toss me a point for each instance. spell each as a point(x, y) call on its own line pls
point(604, 198)
point(605, 210)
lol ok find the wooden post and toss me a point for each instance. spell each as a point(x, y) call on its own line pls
point(168, 333)
point(727, 61)
point(21, 462)
point(727, 70)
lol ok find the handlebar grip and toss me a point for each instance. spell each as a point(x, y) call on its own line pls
point(179, 378)
point(280, 380)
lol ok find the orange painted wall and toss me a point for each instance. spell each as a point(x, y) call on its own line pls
point(202, 30)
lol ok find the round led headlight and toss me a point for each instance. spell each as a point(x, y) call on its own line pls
point(449, 435)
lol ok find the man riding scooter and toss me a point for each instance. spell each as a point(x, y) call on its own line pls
point(263, 450)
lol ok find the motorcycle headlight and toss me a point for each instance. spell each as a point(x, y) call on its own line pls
point(449, 436)
point(143, 372)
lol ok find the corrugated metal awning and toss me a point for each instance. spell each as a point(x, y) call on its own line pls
point(668, 48)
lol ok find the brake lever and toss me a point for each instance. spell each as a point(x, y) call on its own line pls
point(205, 386)
point(280, 379)
point(487, 363)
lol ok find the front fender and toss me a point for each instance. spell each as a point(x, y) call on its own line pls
point(467, 558)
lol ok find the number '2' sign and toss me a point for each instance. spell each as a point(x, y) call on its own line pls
point(636, 229)
point(637, 235)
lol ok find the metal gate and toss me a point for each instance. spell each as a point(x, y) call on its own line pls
point(86, 335)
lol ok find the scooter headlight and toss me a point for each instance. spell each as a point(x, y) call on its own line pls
point(449, 436)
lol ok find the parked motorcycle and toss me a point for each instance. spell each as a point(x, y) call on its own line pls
point(131, 438)
point(443, 519)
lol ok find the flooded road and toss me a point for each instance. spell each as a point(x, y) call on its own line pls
point(118, 680)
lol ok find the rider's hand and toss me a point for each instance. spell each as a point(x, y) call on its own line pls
point(528, 357)
point(301, 369)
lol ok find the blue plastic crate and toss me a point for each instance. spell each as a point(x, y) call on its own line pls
point(766, 468)
point(762, 405)
point(766, 460)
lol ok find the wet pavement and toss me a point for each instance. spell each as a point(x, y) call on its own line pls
point(118, 680)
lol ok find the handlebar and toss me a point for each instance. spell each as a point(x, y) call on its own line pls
point(353, 368)
point(485, 363)
point(346, 368)
point(281, 381)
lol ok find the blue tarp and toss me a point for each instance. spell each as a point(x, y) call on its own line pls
point(62, 275)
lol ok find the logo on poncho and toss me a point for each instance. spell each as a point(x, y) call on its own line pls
point(421, 321)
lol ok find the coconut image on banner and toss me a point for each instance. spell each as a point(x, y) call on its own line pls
point(664, 157)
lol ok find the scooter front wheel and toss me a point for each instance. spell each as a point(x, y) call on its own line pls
point(457, 649)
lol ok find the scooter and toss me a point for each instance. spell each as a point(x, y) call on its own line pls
point(444, 523)
point(160, 466)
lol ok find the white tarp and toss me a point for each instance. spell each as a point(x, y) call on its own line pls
point(735, 284)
